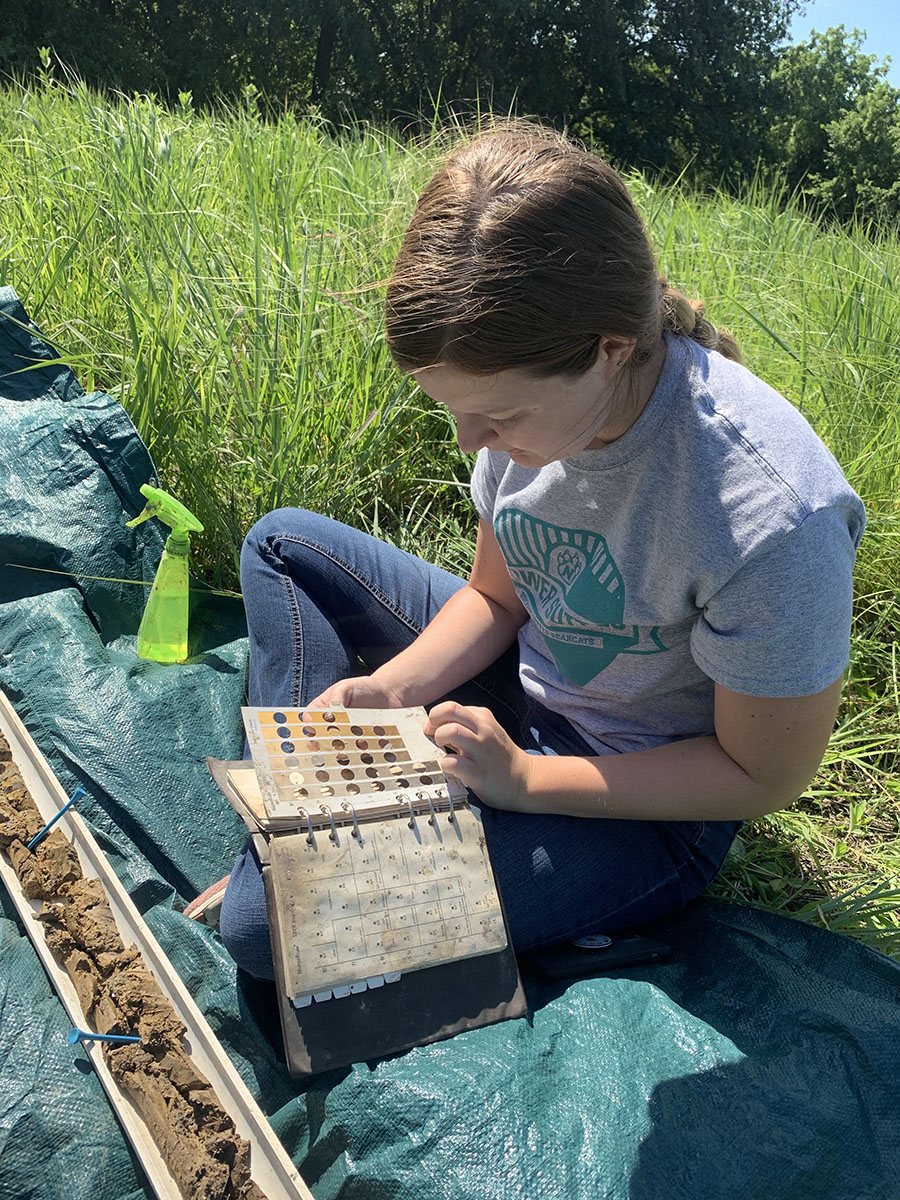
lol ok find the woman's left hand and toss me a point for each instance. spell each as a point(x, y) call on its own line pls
point(481, 754)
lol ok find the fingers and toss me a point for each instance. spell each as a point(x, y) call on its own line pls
point(480, 753)
point(464, 734)
point(357, 691)
point(450, 713)
point(339, 693)
point(456, 740)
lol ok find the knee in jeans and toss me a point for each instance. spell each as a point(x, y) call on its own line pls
point(243, 921)
point(278, 521)
point(245, 935)
point(290, 523)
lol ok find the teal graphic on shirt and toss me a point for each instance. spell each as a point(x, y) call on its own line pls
point(573, 591)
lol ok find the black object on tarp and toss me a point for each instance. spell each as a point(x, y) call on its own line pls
point(762, 1060)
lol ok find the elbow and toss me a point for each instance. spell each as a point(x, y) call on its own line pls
point(770, 796)
point(770, 802)
point(509, 609)
point(765, 790)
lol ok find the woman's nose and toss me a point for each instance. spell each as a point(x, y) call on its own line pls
point(473, 432)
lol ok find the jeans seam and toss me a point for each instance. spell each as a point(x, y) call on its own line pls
point(297, 640)
point(296, 627)
point(382, 599)
point(697, 839)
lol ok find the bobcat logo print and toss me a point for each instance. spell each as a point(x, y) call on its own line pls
point(573, 591)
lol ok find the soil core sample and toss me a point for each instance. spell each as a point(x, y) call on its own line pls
point(196, 1137)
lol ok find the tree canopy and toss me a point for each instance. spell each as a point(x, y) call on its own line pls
point(707, 86)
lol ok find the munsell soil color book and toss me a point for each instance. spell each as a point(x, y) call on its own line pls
point(387, 928)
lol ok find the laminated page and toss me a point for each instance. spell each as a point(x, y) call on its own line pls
point(393, 895)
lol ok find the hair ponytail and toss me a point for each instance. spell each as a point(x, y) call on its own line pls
point(687, 318)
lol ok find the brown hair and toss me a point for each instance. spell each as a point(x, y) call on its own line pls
point(524, 249)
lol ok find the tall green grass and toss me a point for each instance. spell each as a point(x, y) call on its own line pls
point(208, 272)
point(217, 274)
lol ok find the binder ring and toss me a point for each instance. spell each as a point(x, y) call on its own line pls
point(333, 836)
point(311, 838)
point(412, 812)
point(348, 807)
point(433, 821)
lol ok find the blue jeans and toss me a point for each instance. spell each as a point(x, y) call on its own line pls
point(321, 598)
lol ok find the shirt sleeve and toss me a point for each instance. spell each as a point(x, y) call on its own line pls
point(485, 483)
point(780, 626)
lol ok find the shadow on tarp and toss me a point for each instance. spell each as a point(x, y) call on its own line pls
point(762, 1060)
point(807, 1108)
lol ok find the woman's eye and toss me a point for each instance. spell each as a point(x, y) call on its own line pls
point(503, 420)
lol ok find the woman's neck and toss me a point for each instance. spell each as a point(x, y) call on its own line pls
point(640, 383)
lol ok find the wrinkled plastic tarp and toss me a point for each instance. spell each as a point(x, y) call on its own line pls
point(762, 1061)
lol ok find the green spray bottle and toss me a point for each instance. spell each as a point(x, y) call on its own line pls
point(163, 632)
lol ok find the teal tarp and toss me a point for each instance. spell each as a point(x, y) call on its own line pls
point(762, 1061)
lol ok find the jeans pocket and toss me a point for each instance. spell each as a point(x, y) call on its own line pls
point(691, 832)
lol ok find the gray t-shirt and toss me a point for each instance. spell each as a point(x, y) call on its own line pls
point(714, 541)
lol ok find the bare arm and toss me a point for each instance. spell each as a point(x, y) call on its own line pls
point(763, 754)
point(476, 625)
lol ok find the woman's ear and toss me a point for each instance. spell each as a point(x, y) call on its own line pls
point(616, 350)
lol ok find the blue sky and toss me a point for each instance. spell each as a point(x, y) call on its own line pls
point(879, 18)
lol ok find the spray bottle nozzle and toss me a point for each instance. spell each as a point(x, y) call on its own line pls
point(169, 510)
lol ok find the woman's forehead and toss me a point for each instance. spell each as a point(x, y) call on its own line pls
point(476, 393)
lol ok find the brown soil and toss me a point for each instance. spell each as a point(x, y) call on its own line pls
point(195, 1135)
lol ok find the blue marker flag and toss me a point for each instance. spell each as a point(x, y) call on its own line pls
point(42, 833)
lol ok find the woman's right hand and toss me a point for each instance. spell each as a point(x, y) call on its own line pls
point(359, 691)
